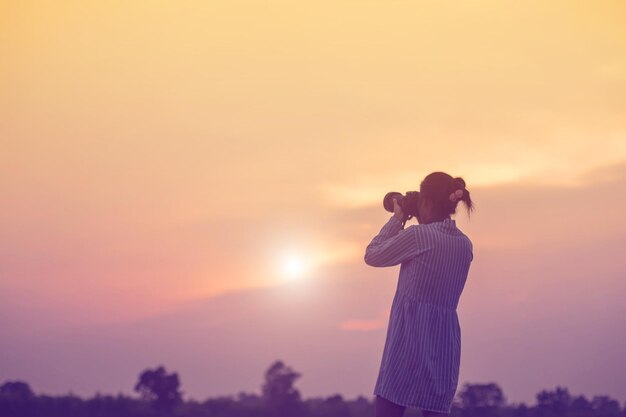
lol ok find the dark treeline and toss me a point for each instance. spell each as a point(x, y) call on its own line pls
point(160, 396)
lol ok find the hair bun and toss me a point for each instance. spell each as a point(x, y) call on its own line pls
point(460, 182)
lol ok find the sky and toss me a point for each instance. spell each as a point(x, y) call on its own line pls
point(170, 164)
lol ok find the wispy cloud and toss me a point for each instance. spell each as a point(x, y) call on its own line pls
point(362, 325)
point(367, 325)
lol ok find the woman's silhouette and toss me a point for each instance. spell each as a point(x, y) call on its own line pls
point(421, 359)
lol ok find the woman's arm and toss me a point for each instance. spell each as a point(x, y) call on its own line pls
point(392, 246)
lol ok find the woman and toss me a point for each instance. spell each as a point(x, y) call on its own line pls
point(421, 358)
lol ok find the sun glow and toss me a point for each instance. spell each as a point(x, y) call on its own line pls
point(293, 267)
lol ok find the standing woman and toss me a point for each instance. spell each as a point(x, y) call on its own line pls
point(422, 354)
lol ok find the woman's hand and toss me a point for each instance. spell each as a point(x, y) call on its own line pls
point(397, 211)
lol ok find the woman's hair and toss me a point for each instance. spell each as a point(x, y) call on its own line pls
point(442, 190)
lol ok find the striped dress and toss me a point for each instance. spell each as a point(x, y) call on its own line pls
point(422, 354)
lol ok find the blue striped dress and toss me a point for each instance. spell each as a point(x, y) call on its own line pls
point(422, 354)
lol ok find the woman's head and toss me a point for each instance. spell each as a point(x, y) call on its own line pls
point(440, 194)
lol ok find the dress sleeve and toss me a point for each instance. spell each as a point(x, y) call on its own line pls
point(392, 246)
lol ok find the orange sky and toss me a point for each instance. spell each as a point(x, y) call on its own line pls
point(156, 153)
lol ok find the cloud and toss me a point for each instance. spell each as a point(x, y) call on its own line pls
point(365, 325)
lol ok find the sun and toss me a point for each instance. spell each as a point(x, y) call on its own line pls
point(293, 267)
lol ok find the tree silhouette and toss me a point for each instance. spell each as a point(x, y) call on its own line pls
point(605, 406)
point(333, 406)
point(281, 397)
point(481, 400)
point(161, 389)
point(16, 389)
point(16, 399)
point(579, 406)
point(553, 403)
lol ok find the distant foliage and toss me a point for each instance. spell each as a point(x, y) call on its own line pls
point(553, 403)
point(159, 388)
point(160, 396)
point(17, 390)
point(281, 397)
point(481, 400)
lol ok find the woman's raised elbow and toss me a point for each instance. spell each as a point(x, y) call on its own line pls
point(370, 259)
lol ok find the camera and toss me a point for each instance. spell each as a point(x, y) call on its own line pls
point(409, 203)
